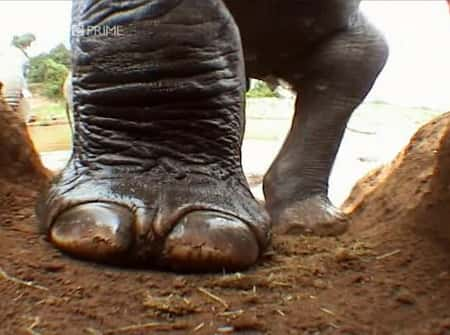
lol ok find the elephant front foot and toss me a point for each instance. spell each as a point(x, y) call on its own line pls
point(156, 176)
point(208, 225)
point(314, 215)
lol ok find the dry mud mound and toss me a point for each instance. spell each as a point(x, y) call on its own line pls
point(19, 161)
point(389, 275)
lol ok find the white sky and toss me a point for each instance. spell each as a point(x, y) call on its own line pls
point(418, 32)
point(418, 70)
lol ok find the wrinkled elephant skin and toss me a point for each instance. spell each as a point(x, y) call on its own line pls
point(155, 177)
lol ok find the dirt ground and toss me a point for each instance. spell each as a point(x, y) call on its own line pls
point(389, 275)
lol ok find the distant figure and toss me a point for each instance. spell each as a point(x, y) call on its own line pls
point(13, 62)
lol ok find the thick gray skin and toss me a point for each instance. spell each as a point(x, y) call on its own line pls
point(331, 55)
point(156, 174)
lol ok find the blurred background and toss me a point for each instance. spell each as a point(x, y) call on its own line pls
point(412, 89)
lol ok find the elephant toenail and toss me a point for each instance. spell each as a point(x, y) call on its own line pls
point(211, 241)
point(95, 231)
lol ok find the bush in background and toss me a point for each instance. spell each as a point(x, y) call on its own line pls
point(262, 90)
point(50, 69)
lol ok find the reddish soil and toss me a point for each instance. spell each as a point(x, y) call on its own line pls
point(389, 275)
point(19, 161)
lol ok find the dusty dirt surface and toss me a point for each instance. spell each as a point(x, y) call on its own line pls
point(389, 275)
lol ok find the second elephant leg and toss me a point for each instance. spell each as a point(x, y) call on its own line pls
point(335, 79)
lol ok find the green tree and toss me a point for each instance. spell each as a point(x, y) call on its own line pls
point(55, 74)
point(37, 68)
point(261, 90)
point(60, 54)
point(50, 69)
point(22, 42)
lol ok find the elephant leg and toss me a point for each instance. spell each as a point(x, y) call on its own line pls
point(332, 82)
point(155, 177)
